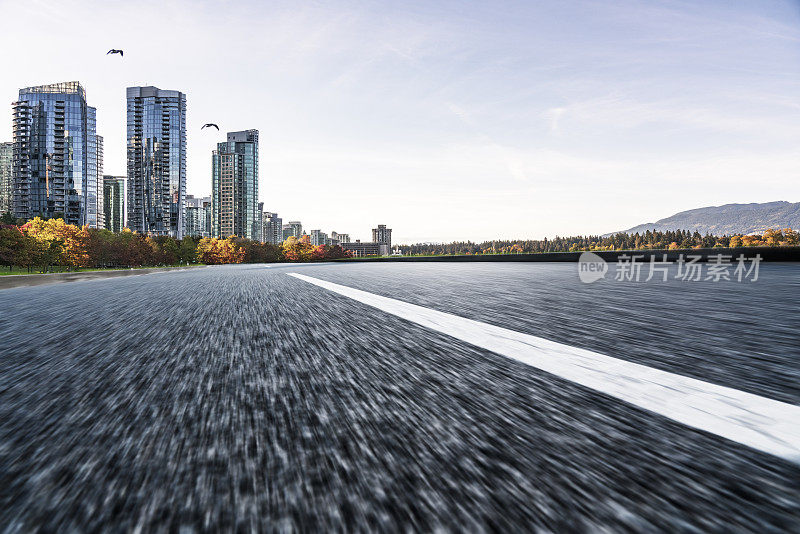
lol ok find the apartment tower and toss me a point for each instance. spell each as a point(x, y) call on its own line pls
point(157, 161)
point(57, 155)
point(235, 187)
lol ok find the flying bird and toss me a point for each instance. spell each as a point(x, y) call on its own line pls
point(115, 51)
point(210, 124)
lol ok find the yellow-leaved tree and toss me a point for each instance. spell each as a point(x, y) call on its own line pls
point(213, 251)
point(51, 237)
point(297, 249)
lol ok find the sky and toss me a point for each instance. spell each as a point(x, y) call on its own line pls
point(449, 120)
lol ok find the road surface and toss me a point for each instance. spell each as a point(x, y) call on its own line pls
point(239, 398)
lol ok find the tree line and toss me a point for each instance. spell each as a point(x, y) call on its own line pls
point(51, 244)
point(671, 239)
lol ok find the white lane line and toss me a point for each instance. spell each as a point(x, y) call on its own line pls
point(764, 424)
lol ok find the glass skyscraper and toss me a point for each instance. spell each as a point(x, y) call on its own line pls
point(114, 202)
point(235, 186)
point(6, 178)
point(198, 216)
point(57, 160)
point(157, 161)
point(94, 190)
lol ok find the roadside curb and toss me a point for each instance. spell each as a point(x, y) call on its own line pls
point(26, 280)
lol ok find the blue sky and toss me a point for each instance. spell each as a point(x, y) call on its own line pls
point(450, 120)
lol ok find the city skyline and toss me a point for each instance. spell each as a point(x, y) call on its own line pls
point(431, 116)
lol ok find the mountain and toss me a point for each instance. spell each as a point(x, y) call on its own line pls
point(730, 219)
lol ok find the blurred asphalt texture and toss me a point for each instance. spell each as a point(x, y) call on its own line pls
point(237, 398)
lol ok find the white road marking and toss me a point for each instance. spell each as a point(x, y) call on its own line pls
point(763, 424)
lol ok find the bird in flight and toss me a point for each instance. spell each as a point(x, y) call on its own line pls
point(115, 51)
point(210, 124)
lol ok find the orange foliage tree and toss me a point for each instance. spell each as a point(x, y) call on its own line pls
point(297, 249)
point(213, 251)
point(329, 252)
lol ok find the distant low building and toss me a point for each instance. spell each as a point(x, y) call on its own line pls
point(366, 249)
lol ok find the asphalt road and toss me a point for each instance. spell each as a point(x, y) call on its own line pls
point(238, 398)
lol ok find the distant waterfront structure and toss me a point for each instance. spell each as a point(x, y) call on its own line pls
point(367, 248)
point(114, 202)
point(292, 229)
point(272, 228)
point(235, 186)
point(338, 239)
point(6, 177)
point(57, 156)
point(382, 235)
point(198, 216)
point(156, 161)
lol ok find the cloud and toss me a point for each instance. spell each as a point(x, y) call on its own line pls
point(554, 115)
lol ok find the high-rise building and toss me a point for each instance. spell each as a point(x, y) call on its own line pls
point(114, 202)
point(95, 195)
point(261, 221)
point(382, 235)
point(272, 228)
point(6, 177)
point(198, 216)
point(235, 186)
point(55, 168)
point(318, 237)
point(156, 161)
point(292, 229)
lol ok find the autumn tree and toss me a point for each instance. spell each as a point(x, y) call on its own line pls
point(329, 252)
point(50, 241)
point(791, 237)
point(772, 237)
point(16, 248)
point(213, 251)
point(297, 249)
